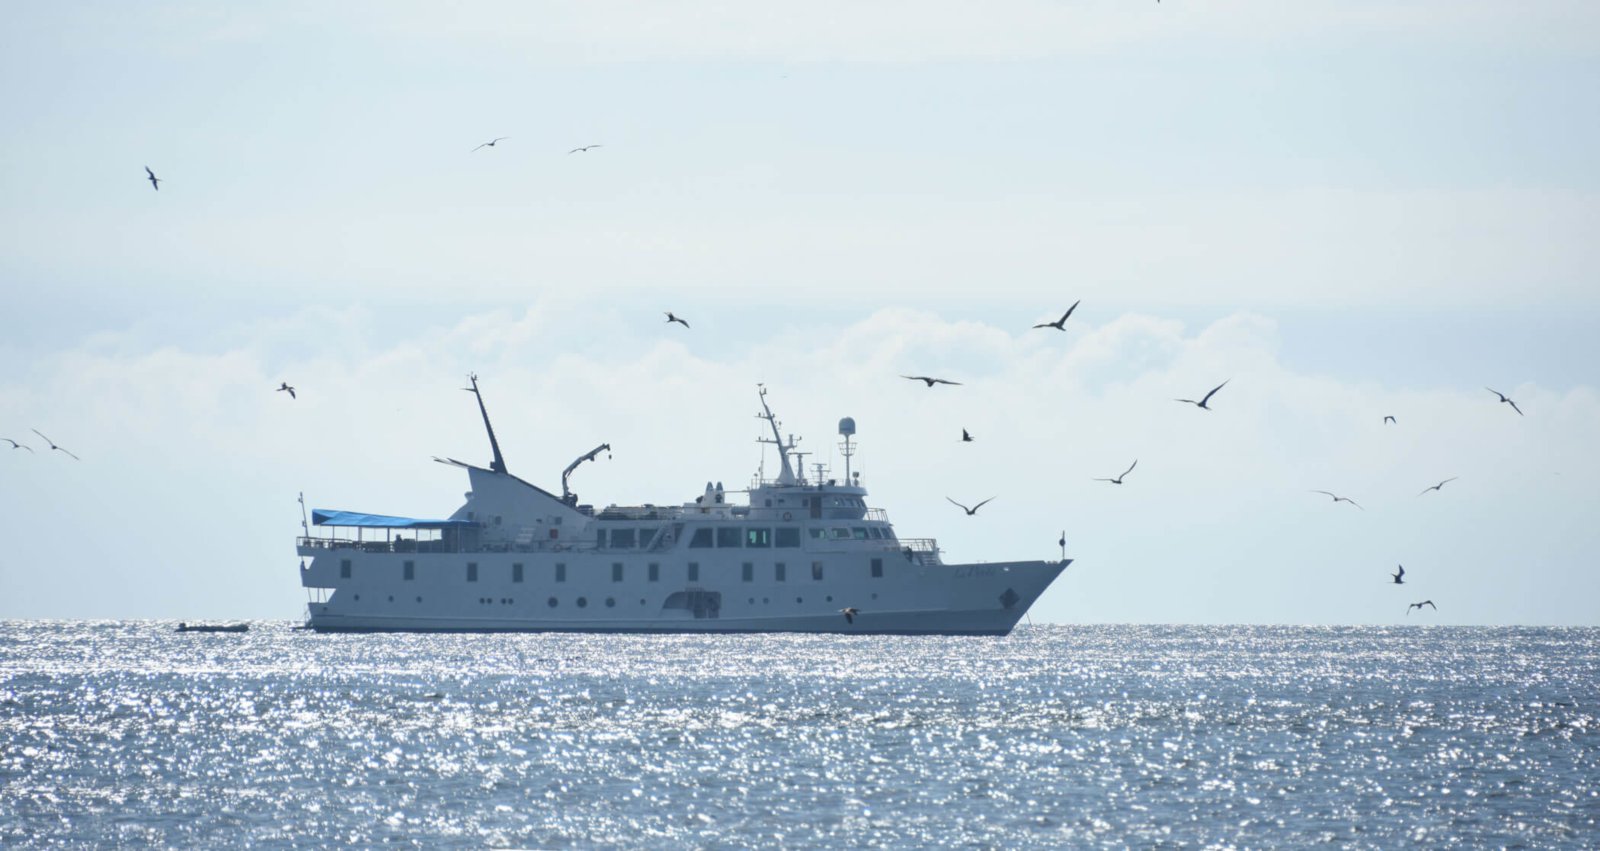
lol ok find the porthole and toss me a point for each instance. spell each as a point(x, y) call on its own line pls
point(752, 601)
point(765, 600)
point(358, 596)
point(583, 602)
point(419, 599)
point(391, 598)
point(553, 602)
point(611, 602)
point(799, 599)
point(830, 598)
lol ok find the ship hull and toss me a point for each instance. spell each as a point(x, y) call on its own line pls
point(901, 599)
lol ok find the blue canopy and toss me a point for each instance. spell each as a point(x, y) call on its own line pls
point(325, 517)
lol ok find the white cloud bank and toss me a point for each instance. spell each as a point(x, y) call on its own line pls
point(184, 503)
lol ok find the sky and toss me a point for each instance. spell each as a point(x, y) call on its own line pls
point(1347, 210)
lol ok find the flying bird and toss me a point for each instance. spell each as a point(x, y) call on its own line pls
point(849, 613)
point(930, 381)
point(1206, 398)
point(490, 143)
point(1399, 573)
point(1118, 479)
point(584, 148)
point(1428, 603)
point(1389, 419)
point(154, 181)
point(970, 511)
point(671, 318)
point(1505, 400)
point(1341, 498)
point(1439, 485)
point(16, 445)
point(284, 387)
point(54, 446)
point(1060, 324)
point(965, 437)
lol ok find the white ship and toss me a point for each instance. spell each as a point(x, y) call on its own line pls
point(798, 555)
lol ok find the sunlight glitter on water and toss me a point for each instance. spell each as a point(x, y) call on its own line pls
point(1246, 736)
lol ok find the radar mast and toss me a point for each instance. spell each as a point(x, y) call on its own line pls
point(786, 475)
point(498, 465)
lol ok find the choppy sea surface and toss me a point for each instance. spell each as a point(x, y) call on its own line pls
point(117, 734)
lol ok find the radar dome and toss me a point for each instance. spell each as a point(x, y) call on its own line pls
point(847, 425)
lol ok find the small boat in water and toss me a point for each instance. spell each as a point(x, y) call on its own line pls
point(200, 627)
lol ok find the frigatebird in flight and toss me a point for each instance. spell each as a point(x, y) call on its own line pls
point(490, 143)
point(1428, 603)
point(970, 511)
point(1389, 418)
point(1340, 498)
point(54, 446)
point(1506, 400)
point(154, 181)
point(672, 318)
point(16, 445)
point(1398, 574)
point(929, 380)
point(1206, 398)
point(1118, 479)
point(965, 437)
point(284, 387)
point(1060, 324)
point(584, 148)
point(1439, 485)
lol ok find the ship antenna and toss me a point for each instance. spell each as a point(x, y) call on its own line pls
point(498, 465)
point(786, 475)
point(304, 525)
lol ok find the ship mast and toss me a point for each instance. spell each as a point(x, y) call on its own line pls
point(498, 465)
point(786, 476)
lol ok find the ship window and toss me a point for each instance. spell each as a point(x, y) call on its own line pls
point(818, 533)
point(411, 571)
point(758, 537)
point(516, 573)
point(616, 571)
point(497, 520)
point(600, 537)
point(645, 537)
point(877, 568)
point(787, 536)
point(655, 572)
point(859, 533)
point(344, 568)
point(778, 570)
point(694, 571)
point(749, 572)
point(552, 602)
point(583, 602)
point(611, 602)
point(816, 571)
point(561, 572)
point(876, 532)
point(728, 536)
point(472, 571)
point(622, 539)
point(839, 533)
point(701, 539)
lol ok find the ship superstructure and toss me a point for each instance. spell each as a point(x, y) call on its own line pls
point(795, 555)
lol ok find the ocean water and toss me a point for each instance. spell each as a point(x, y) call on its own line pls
point(124, 734)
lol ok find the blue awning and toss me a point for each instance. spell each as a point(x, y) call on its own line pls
point(326, 517)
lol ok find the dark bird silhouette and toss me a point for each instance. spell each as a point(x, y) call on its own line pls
point(965, 437)
point(930, 381)
point(1206, 398)
point(284, 387)
point(970, 511)
point(849, 613)
point(1439, 485)
point(1505, 400)
point(671, 318)
point(1428, 603)
point(53, 445)
point(1060, 324)
point(584, 148)
point(154, 181)
point(1118, 479)
point(491, 142)
point(16, 445)
point(1399, 573)
point(1340, 498)
point(1389, 419)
